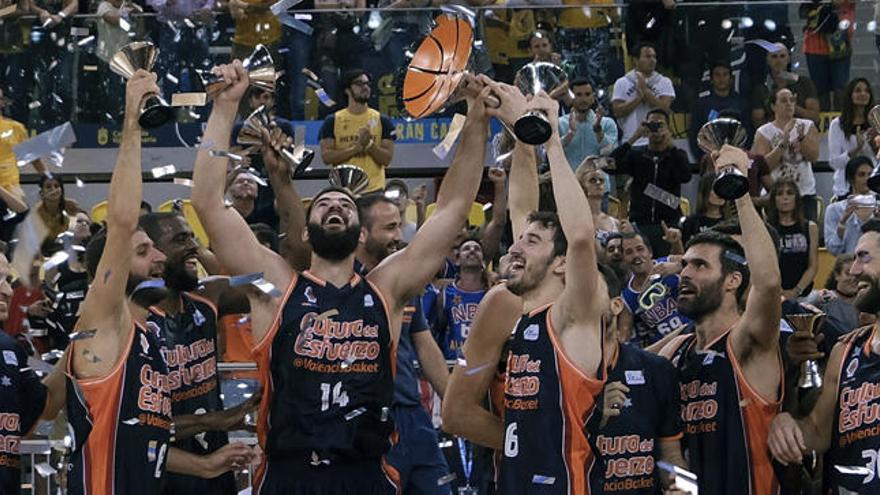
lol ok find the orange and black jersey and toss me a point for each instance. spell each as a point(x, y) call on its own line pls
point(855, 437)
point(548, 401)
point(120, 424)
point(628, 446)
point(189, 345)
point(22, 399)
point(726, 422)
point(327, 369)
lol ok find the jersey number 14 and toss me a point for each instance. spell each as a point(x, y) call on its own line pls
point(339, 396)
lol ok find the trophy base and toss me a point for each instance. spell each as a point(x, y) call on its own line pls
point(155, 112)
point(532, 128)
point(731, 186)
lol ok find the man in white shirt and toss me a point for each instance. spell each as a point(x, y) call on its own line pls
point(641, 90)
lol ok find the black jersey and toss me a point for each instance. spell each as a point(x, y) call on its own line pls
point(726, 422)
point(327, 372)
point(628, 446)
point(22, 399)
point(855, 436)
point(120, 424)
point(189, 345)
point(547, 403)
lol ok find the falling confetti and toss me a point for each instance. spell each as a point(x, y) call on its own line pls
point(353, 414)
point(34, 105)
point(163, 171)
point(226, 154)
point(85, 41)
point(79, 183)
point(181, 181)
point(443, 480)
point(83, 334)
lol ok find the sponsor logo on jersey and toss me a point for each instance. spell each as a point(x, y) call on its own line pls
point(10, 358)
point(700, 407)
point(634, 377)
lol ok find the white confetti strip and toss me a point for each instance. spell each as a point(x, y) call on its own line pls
point(163, 171)
point(353, 414)
point(85, 41)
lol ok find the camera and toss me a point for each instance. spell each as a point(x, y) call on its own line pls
point(653, 126)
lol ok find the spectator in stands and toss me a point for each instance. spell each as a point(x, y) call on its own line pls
point(828, 47)
point(709, 104)
point(184, 37)
point(658, 171)
point(708, 31)
point(113, 15)
point(850, 134)
point(584, 38)
point(255, 25)
point(12, 198)
point(241, 190)
point(710, 210)
point(541, 48)
point(593, 181)
point(779, 77)
point(639, 91)
point(836, 299)
point(586, 131)
point(798, 239)
point(28, 309)
point(844, 218)
point(17, 62)
point(397, 191)
point(651, 21)
point(507, 34)
point(357, 134)
point(770, 23)
point(790, 145)
point(52, 89)
point(53, 208)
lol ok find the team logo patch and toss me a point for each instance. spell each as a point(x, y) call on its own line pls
point(531, 332)
point(368, 301)
point(852, 367)
point(310, 296)
point(634, 377)
point(198, 318)
point(10, 358)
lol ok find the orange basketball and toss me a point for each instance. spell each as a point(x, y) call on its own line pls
point(436, 66)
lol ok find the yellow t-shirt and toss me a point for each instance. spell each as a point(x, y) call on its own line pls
point(507, 34)
point(258, 27)
point(578, 18)
point(11, 133)
point(345, 133)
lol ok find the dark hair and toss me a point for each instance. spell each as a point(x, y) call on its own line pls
point(349, 76)
point(872, 225)
point(658, 111)
point(151, 223)
point(775, 94)
point(733, 257)
point(719, 63)
point(705, 187)
point(730, 113)
point(44, 178)
point(732, 227)
point(839, 263)
point(633, 234)
point(548, 220)
point(580, 82)
point(264, 233)
point(330, 189)
point(365, 206)
point(852, 166)
point(847, 111)
point(546, 199)
point(94, 250)
point(613, 279)
point(773, 214)
point(641, 46)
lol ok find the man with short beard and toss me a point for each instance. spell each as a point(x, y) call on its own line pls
point(118, 397)
point(186, 323)
point(357, 134)
point(730, 367)
point(843, 424)
point(325, 347)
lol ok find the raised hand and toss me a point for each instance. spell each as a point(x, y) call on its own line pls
point(237, 82)
point(273, 141)
point(141, 84)
point(497, 175)
point(513, 102)
point(671, 235)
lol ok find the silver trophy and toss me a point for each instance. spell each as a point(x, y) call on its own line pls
point(297, 157)
point(533, 127)
point(874, 121)
point(810, 377)
point(350, 177)
point(155, 111)
point(730, 183)
point(259, 66)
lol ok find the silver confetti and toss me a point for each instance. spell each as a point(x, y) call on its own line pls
point(446, 479)
point(226, 154)
point(353, 414)
point(171, 78)
point(44, 469)
point(132, 421)
point(34, 104)
point(163, 171)
point(85, 41)
point(540, 479)
point(82, 335)
point(79, 183)
point(181, 181)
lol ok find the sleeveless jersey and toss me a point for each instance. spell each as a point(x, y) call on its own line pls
point(22, 399)
point(855, 439)
point(189, 345)
point(547, 403)
point(726, 422)
point(327, 372)
point(459, 309)
point(629, 445)
point(120, 424)
point(654, 310)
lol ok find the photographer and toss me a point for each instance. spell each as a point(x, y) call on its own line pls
point(660, 165)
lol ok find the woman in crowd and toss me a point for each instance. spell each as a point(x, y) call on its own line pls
point(844, 218)
point(790, 146)
point(593, 179)
point(710, 210)
point(850, 135)
point(798, 239)
point(54, 209)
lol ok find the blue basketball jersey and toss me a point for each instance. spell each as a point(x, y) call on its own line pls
point(654, 310)
point(459, 310)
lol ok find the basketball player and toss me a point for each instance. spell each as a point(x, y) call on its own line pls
point(186, 324)
point(325, 347)
point(118, 397)
point(730, 367)
point(843, 424)
point(554, 369)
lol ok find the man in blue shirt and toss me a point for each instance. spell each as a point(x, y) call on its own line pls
point(586, 131)
point(710, 103)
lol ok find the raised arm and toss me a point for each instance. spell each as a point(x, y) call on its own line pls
point(288, 203)
point(524, 191)
point(436, 237)
point(232, 241)
point(492, 234)
point(759, 326)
